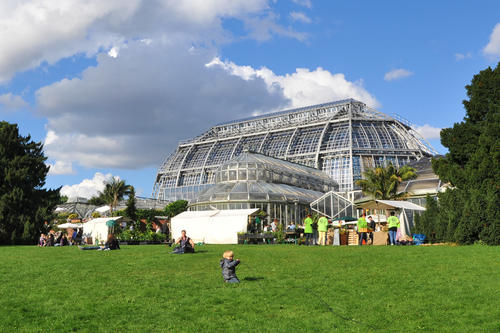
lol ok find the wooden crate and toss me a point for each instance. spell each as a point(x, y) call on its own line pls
point(353, 238)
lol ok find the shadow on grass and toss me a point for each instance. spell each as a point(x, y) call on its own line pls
point(253, 278)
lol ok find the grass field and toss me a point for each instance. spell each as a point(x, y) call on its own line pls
point(284, 288)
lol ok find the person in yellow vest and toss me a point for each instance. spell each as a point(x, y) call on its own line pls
point(322, 229)
point(393, 223)
point(362, 229)
point(308, 230)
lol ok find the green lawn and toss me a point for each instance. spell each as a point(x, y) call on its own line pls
point(284, 288)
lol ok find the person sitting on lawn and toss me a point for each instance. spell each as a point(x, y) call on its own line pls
point(42, 240)
point(228, 266)
point(186, 244)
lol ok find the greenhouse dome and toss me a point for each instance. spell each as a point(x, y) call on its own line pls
point(341, 139)
point(282, 189)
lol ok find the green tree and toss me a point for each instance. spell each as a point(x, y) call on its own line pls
point(131, 210)
point(176, 207)
point(382, 182)
point(24, 203)
point(472, 164)
point(98, 200)
point(114, 191)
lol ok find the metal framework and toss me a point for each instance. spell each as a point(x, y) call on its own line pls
point(340, 138)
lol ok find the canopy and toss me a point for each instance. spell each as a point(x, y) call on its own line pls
point(390, 204)
point(212, 226)
point(70, 225)
point(103, 209)
point(395, 204)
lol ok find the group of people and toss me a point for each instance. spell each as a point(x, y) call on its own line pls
point(59, 238)
point(311, 229)
point(366, 228)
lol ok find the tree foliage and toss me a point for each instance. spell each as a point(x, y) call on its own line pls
point(131, 209)
point(115, 190)
point(382, 182)
point(175, 208)
point(472, 165)
point(24, 203)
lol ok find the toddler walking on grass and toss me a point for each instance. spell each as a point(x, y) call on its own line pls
point(228, 266)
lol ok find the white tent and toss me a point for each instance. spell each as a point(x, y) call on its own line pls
point(393, 204)
point(103, 209)
point(212, 226)
point(70, 225)
point(97, 228)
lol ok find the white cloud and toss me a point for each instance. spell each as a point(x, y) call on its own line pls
point(61, 168)
point(12, 102)
point(113, 53)
point(129, 111)
point(397, 74)
point(305, 3)
point(429, 132)
point(34, 31)
point(461, 56)
point(88, 187)
point(300, 17)
point(304, 87)
point(493, 46)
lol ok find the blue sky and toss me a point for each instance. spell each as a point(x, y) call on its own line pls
point(111, 87)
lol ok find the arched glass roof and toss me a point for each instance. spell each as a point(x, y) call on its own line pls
point(341, 139)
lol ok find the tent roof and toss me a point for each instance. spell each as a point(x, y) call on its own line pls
point(212, 213)
point(390, 204)
point(103, 219)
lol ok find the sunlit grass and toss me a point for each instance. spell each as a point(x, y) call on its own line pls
point(284, 288)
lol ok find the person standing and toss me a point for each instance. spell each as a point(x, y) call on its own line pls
point(371, 225)
point(308, 230)
point(257, 224)
point(393, 223)
point(322, 229)
point(362, 229)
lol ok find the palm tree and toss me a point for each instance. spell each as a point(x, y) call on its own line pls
point(115, 190)
point(382, 182)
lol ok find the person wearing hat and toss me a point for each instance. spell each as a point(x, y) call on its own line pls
point(362, 229)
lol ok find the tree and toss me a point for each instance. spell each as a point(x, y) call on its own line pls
point(175, 208)
point(131, 210)
point(114, 191)
point(472, 164)
point(98, 200)
point(24, 203)
point(382, 182)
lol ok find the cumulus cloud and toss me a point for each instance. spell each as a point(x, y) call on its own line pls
point(129, 111)
point(12, 102)
point(461, 56)
point(61, 168)
point(88, 188)
point(428, 132)
point(303, 87)
point(493, 46)
point(34, 31)
point(397, 74)
point(300, 17)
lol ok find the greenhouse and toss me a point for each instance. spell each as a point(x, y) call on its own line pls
point(281, 189)
point(341, 139)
